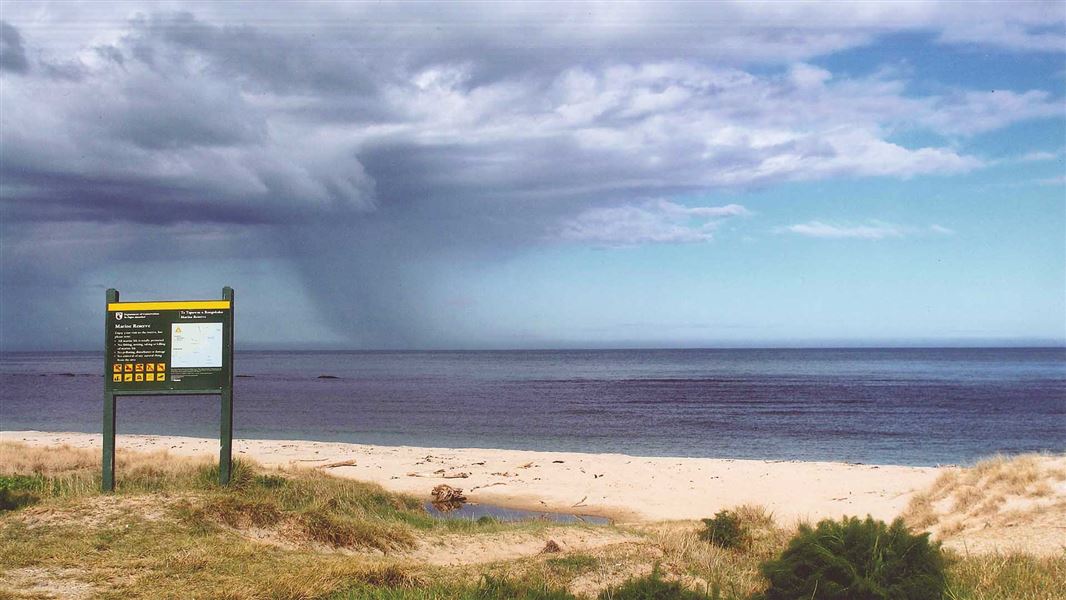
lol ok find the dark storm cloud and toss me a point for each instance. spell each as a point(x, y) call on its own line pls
point(12, 54)
point(299, 59)
point(361, 141)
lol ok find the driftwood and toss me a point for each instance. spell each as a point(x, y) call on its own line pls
point(447, 493)
point(447, 498)
point(552, 547)
point(340, 463)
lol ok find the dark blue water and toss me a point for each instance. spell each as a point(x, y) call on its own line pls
point(903, 406)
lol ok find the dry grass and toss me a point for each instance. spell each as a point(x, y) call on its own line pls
point(171, 532)
point(67, 471)
point(1010, 576)
point(1015, 494)
point(735, 572)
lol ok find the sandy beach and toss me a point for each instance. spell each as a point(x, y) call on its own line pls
point(625, 488)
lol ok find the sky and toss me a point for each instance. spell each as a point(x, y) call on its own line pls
point(421, 175)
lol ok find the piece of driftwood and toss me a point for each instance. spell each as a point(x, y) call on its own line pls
point(456, 475)
point(447, 493)
point(447, 498)
point(340, 463)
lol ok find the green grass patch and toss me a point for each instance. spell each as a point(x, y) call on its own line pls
point(573, 564)
point(652, 587)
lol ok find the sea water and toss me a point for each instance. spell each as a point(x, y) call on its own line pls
point(891, 406)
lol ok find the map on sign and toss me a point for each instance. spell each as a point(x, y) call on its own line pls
point(196, 345)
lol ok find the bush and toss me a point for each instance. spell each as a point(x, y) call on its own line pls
point(17, 491)
point(651, 587)
point(725, 530)
point(857, 560)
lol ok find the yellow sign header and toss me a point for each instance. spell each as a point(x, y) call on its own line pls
point(168, 305)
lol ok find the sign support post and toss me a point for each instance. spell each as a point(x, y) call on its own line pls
point(168, 348)
point(225, 453)
point(107, 482)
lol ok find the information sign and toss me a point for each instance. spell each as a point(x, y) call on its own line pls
point(168, 345)
point(167, 348)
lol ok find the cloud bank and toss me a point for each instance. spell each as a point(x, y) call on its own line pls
point(355, 140)
point(874, 230)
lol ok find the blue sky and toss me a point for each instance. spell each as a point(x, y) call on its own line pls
point(379, 175)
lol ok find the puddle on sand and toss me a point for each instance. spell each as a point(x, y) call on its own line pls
point(474, 511)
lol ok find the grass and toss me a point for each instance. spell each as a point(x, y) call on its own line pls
point(974, 498)
point(170, 531)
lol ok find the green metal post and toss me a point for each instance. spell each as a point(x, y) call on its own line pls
point(225, 456)
point(107, 481)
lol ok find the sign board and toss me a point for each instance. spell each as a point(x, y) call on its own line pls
point(168, 345)
point(168, 348)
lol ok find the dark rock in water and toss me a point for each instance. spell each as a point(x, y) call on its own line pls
point(328, 377)
point(248, 376)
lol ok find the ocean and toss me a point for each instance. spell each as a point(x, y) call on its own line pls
point(883, 406)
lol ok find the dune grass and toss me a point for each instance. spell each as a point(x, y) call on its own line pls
point(1018, 490)
point(170, 531)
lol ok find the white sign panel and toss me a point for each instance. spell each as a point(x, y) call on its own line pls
point(195, 345)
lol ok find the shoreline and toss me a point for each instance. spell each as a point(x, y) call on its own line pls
point(618, 486)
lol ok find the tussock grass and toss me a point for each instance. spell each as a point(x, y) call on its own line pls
point(1007, 577)
point(170, 531)
point(979, 496)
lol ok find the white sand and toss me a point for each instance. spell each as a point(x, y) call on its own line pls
point(627, 488)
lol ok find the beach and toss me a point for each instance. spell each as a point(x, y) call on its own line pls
point(623, 488)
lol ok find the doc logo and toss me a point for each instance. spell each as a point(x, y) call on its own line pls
point(118, 316)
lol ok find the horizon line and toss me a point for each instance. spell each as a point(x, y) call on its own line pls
point(1000, 345)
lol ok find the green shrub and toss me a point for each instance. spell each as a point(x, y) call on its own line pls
point(857, 559)
point(725, 530)
point(17, 491)
point(651, 587)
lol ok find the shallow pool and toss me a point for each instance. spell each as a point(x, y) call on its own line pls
point(474, 511)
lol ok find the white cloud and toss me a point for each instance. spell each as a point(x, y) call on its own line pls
point(1038, 156)
point(655, 222)
point(873, 230)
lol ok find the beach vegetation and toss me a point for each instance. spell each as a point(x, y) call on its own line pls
point(171, 531)
point(653, 587)
point(573, 563)
point(857, 558)
point(725, 530)
point(1006, 576)
point(1016, 492)
point(17, 491)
